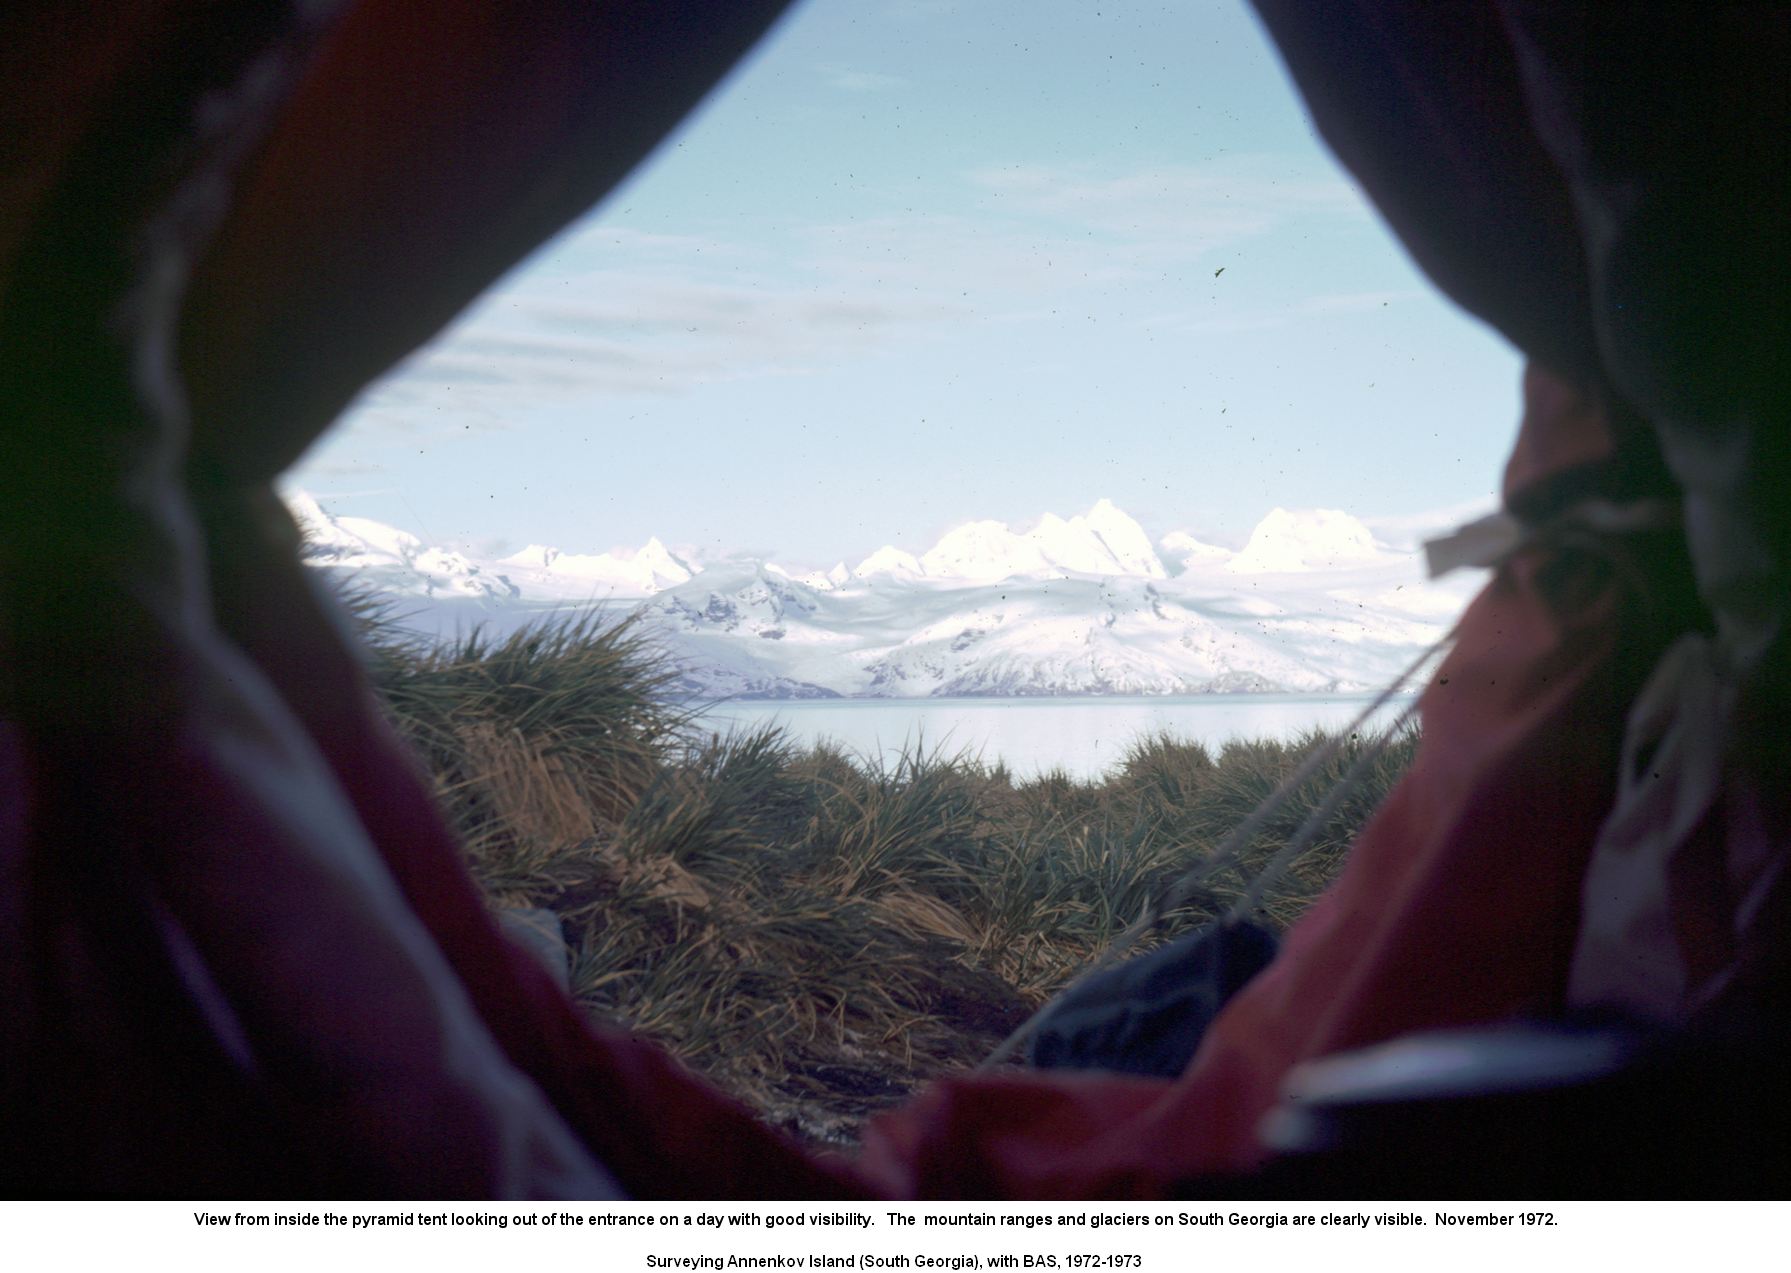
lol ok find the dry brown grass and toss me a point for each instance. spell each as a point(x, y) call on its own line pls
point(816, 933)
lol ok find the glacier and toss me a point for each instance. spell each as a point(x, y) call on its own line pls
point(1313, 603)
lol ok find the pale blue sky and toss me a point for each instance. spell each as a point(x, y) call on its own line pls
point(917, 263)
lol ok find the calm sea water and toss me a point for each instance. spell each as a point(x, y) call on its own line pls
point(1085, 736)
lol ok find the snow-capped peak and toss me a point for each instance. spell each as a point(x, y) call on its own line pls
point(1290, 541)
point(391, 560)
point(307, 512)
point(987, 550)
point(662, 562)
point(642, 571)
point(888, 561)
point(1123, 538)
point(535, 557)
point(820, 580)
point(1189, 553)
point(1103, 542)
point(1078, 605)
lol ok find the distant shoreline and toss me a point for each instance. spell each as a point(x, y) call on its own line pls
point(1071, 696)
point(1084, 736)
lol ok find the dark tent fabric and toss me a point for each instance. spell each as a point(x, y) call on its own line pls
point(1652, 147)
point(1458, 904)
point(237, 953)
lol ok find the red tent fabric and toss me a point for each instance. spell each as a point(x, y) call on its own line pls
point(240, 953)
point(1458, 906)
point(237, 951)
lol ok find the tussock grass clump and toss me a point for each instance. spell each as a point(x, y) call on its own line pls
point(539, 740)
point(817, 932)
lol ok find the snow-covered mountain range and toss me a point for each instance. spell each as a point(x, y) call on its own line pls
point(1314, 602)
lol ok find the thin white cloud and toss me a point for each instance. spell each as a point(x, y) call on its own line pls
point(1199, 206)
point(348, 468)
point(1184, 324)
point(1359, 302)
point(856, 80)
point(617, 310)
point(1306, 309)
point(642, 333)
point(921, 9)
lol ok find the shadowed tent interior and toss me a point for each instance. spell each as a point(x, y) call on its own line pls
point(237, 949)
